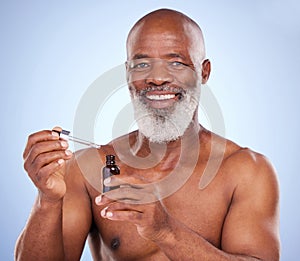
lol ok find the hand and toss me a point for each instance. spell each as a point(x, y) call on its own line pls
point(44, 160)
point(137, 204)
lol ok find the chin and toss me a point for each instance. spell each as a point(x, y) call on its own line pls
point(165, 125)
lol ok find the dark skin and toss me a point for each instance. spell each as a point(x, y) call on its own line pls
point(235, 217)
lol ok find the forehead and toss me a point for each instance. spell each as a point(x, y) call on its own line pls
point(160, 36)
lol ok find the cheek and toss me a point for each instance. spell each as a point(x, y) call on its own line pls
point(134, 78)
point(135, 85)
point(184, 79)
point(188, 79)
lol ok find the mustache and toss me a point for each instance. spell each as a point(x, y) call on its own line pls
point(178, 90)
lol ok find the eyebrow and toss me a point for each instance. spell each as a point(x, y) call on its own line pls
point(175, 55)
point(170, 55)
point(140, 56)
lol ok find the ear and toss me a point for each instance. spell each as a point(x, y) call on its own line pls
point(205, 70)
point(126, 68)
point(130, 88)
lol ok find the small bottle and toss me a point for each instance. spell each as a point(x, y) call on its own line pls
point(109, 170)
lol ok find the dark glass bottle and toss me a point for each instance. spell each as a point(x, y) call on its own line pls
point(109, 170)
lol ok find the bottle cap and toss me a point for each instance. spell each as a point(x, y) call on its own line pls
point(110, 158)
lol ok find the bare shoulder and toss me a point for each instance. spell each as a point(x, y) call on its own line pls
point(244, 167)
point(249, 166)
point(84, 168)
point(239, 161)
point(252, 223)
point(122, 143)
point(91, 159)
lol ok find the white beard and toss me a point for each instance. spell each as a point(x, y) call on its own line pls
point(167, 124)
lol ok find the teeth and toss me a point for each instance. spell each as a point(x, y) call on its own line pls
point(161, 97)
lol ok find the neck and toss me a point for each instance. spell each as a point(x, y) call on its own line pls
point(166, 156)
point(143, 145)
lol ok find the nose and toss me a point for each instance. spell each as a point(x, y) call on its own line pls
point(159, 74)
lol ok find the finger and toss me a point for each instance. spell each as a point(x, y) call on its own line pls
point(43, 147)
point(42, 177)
point(123, 215)
point(120, 194)
point(114, 181)
point(120, 211)
point(126, 183)
point(45, 159)
point(128, 194)
point(45, 135)
point(57, 129)
point(132, 180)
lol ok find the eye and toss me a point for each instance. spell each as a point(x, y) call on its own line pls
point(142, 65)
point(139, 65)
point(177, 65)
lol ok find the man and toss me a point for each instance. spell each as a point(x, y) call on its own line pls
point(159, 210)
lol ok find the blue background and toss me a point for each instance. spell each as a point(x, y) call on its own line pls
point(51, 51)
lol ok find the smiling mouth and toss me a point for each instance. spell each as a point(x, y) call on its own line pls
point(160, 100)
point(160, 97)
point(163, 96)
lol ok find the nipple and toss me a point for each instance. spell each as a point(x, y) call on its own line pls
point(115, 243)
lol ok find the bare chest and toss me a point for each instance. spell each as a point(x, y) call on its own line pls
point(203, 211)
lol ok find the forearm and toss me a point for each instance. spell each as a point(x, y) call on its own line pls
point(182, 243)
point(42, 237)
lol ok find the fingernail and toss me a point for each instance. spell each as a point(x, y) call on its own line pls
point(60, 161)
point(98, 199)
point(107, 181)
point(109, 214)
point(64, 144)
point(103, 212)
point(68, 152)
point(55, 133)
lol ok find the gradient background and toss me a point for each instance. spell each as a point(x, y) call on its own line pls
point(51, 51)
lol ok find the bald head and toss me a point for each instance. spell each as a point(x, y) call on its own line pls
point(164, 21)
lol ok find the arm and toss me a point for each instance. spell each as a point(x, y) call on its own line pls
point(77, 213)
point(252, 223)
point(47, 235)
point(42, 234)
point(250, 230)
